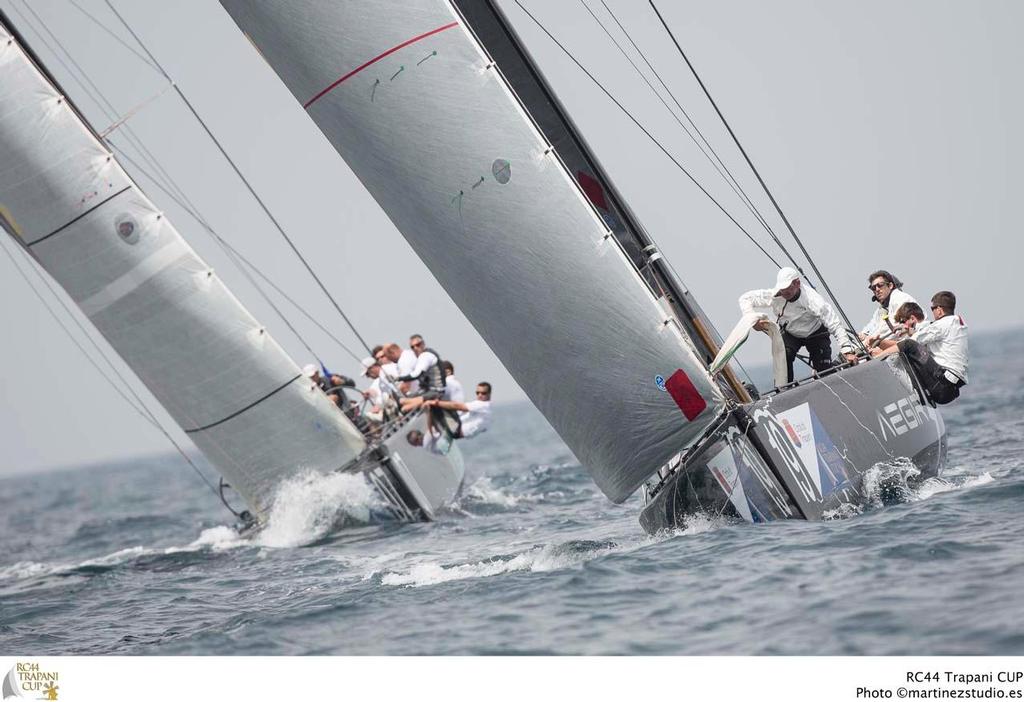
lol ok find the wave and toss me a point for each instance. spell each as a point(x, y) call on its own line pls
point(537, 560)
point(214, 539)
point(543, 558)
point(310, 506)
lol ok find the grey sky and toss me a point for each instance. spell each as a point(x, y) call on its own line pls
point(886, 130)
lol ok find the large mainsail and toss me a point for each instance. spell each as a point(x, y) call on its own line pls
point(215, 369)
point(423, 117)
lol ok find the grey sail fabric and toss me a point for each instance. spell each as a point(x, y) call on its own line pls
point(411, 102)
point(215, 369)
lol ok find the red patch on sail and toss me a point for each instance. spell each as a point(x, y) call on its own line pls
point(681, 388)
point(593, 190)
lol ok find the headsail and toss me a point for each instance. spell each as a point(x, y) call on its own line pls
point(218, 373)
point(406, 95)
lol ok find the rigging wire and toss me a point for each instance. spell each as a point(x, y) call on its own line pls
point(142, 410)
point(245, 180)
point(757, 174)
point(646, 133)
point(118, 39)
point(92, 90)
point(76, 342)
point(731, 178)
point(232, 251)
point(110, 111)
point(704, 149)
point(169, 182)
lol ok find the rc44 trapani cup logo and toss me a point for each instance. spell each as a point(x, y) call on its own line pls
point(30, 681)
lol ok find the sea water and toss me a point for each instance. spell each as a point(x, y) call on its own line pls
point(139, 558)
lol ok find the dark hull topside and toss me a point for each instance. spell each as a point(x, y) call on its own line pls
point(803, 453)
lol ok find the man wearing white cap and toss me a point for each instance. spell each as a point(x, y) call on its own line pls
point(803, 316)
point(381, 392)
point(332, 385)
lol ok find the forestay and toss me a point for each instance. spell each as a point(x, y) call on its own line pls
point(413, 104)
point(218, 373)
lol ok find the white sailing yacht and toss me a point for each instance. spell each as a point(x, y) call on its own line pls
point(218, 372)
point(450, 124)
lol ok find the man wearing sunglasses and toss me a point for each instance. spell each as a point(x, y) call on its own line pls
point(938, 351)
point(475, 415)
point(887, 290)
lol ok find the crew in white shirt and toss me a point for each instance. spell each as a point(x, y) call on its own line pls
point(887, 291)
point(405, 361)
point(453, 391)
point(805, 318)
point(475, 416)
point(937, 351)
point(381, 393)
point(425, 372)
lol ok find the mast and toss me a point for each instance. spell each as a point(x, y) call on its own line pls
point(492, 28)
point(215, 369)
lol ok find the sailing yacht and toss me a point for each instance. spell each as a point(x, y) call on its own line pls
point(66, 199)
point(450, 124)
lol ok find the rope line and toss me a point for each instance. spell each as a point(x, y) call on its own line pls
point(650, 136)
point(234, 253)
point(142, 410)
point(728, 175)
point(729, 180)
point(252, 191)
point(757, 174)
point(107, 107)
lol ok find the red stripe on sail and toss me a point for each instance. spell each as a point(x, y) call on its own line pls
point(681, 388)
point(375, 59)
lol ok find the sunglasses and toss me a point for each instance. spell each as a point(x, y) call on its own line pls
point(935, 307)
point(878, 286)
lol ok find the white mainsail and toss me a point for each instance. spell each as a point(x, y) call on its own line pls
point(215, 369)
point(415, 106)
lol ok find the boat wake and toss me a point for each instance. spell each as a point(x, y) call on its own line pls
point(895, 482)
point(482, 496)
point(541, 558)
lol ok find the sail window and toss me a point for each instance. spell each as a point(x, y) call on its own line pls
point(502, 170)
point(127, 228)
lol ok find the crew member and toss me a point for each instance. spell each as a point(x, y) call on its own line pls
point(887, 290)
point(938, 352)
point(426, 372)
point(405, 361)
point(332, 384)
point(452, 386)
point(909, 318)
point(475, 415)
point(805, 318)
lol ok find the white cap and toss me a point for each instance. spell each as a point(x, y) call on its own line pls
point(310, 369)
point(368, 363)
point(785, 277)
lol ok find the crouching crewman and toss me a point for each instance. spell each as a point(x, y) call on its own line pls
point(937, 351)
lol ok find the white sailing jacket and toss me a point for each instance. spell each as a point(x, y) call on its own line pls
point(801, 317)
point(876, 325)
point(946, 339)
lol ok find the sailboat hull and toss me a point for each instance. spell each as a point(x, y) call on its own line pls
point(805, 452)
point(415, 481)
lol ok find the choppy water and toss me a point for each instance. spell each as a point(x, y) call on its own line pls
point(138, 558)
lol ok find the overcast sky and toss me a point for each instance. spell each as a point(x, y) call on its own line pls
point(889, 132)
